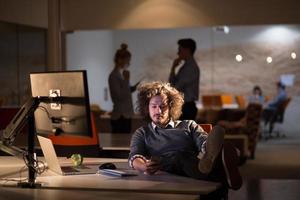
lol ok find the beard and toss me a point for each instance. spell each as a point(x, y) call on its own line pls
point(160, 120)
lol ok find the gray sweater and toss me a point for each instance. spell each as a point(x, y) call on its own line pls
point(186, 137)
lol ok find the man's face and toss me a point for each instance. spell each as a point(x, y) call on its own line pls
point(159, 110)
point(183, 52)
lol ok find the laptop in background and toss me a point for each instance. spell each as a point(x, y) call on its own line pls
point(54, 165)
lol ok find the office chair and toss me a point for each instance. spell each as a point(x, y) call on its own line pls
point(241, 101)
point(206, 127)
point(249, 126)
point(278, 117)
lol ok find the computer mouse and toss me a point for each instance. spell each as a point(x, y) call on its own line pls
point(107, 165)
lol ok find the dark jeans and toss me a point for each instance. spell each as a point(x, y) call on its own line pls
point(189, 111)
point(121, 125)
point(269, 117)
point(186, 164)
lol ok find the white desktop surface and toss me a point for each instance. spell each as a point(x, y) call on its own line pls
point(161, 183)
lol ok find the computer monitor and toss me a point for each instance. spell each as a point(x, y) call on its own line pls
point(64, 103)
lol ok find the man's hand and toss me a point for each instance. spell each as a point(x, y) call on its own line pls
point(152, 166)
point(176, 62)
point(147, 166)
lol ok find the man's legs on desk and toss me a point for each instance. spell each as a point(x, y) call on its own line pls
point(220, 163)
point(221, 159)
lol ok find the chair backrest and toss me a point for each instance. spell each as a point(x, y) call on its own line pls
point(240, 100)
point(226, 99)
point(209, 101)
point(253, 116)
point(206, 127)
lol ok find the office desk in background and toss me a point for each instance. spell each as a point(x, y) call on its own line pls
point(209, 115)
point(160, 186)
point(214, 114)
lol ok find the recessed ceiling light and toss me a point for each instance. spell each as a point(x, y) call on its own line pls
point(239, 57)
point(293, 55)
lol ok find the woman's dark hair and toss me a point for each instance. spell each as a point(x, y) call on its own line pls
point(122, 53)
point(148, 90)
point(257, 88)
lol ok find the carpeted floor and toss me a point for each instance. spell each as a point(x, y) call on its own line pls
point(277, 158)
point(274, 173)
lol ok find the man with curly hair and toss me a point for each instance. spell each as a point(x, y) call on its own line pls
point(179, 147)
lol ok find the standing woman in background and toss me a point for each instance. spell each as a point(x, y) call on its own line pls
point(120, 92)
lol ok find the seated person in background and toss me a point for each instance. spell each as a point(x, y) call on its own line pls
point(179, 147)
point(270, 109)
point(257, 96)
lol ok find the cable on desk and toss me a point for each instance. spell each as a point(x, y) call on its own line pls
point(38, 166)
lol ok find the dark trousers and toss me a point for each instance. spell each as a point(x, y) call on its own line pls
point(121, 125)
point(189, 111)
point(269, 117)
point(186, 164)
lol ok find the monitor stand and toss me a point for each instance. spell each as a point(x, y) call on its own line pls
point(25, 114)
point(30, 157)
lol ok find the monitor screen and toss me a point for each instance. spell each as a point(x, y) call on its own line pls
point(64, 107)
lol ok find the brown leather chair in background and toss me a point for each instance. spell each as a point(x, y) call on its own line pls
point(241, 101)
point(206, 127)
point(247, 127)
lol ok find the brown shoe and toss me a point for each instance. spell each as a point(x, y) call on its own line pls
point(214, 145)
point(230, 162)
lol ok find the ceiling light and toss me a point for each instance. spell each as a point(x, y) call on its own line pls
point(269, 59)
point(238, 57)
point(224, 29)
point(293, 55)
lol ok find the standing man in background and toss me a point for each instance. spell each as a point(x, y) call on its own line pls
point(188, 77)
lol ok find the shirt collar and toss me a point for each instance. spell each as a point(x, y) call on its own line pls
point(170, 124)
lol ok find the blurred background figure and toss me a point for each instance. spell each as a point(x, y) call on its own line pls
point(257, 96)
point(271, 108)
point(188, 77)
point(120, 92)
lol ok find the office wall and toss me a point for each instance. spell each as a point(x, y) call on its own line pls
point(131, 14)
point(154, 50)
point(92, 51)
point(22, 50)
point(148, 14)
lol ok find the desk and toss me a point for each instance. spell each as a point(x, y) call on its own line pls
point(114, 141)
point(117, 145)
point(214, 114)
point(161, 184)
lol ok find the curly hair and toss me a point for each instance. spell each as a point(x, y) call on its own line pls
point(148, 90)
